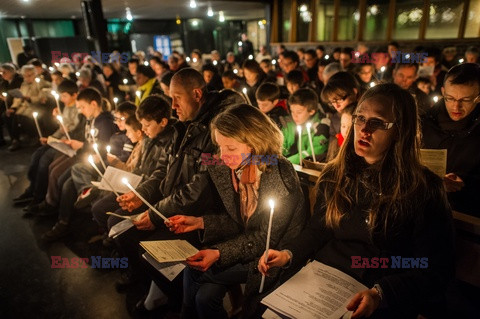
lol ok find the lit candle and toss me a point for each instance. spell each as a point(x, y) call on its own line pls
point(372, 84)
point(138, 94)
point(272, 206)
point(37, 80)
point(327, 57)
point(92, 134)
point(109, 148)
point(382, 69)
point(215, 62)
point(95, 148)
point(4, 94)
point(55, 95)
point(125, 81)
point(299, 130)
point(35, 114)
point(274, 61)
point(309, 125)
point(77, 74)
point(51, 69)
point(60, 119)
point(90, 159)
point(244, 90)
point(435, 99)
point(115, 101)
point(125, 181)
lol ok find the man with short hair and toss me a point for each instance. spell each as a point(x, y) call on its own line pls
point(454, 124)
point(404, 75)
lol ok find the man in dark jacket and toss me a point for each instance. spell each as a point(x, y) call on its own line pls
point(454, 124)
point(10, 80)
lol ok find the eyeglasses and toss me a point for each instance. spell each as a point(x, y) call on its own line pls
point(335, 101)
point(121, 118)
point(462, 101)
point(372, 124)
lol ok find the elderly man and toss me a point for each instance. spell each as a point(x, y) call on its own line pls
point(454, 124)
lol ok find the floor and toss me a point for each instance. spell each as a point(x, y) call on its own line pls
point(30, 288)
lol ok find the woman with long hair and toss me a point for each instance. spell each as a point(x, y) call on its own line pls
point(375, 199)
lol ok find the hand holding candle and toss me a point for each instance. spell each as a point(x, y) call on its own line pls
point(267, 246)
point(60, 119)
point(125, 181)
point(299, 130)
point(35, 115)
point(309, 125)
point(92, 162)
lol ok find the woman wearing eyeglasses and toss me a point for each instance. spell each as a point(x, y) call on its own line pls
point(375, 199)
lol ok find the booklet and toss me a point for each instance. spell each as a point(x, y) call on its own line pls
point(169, 270)
point(114, 176)
point(316, 291)
point(60, 146)
point(435, 160)
point(169, 250)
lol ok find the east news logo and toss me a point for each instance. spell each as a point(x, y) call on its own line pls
point(96, 262)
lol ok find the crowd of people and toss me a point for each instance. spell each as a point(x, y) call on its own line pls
point(214, 139)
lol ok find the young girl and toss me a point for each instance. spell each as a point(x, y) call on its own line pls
point(375, 199)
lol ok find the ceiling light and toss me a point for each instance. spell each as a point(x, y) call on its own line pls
point(195, 23)
point(193, 4)
point(210, 12)
point(303, 8)
point(128, 14)
point(221, 17)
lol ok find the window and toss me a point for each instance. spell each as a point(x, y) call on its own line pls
point(325, 12)
point(376, 20)
point(304, 18)
point(444, 19)
point(285, 20)
point(348, 17)
point(408, 16)
point(472, 29)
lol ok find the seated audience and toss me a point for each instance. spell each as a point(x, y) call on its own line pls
point(269, 102)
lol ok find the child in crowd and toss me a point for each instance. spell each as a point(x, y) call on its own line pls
point(294, 80)
point(268, 99)
point(100, 123)
point(304, 109)
point(424, 84)
point(231, 81)
point(345, 124)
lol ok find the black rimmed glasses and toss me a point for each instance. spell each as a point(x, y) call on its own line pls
point(372, 124)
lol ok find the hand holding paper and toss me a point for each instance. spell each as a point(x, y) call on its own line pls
point(180, 224)
point(144, 222)
point(204, 259)
point(364, 303)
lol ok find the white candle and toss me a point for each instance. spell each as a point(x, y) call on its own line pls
point(95, 148)
point(55, 95)
point(4, 94)
point(115, 101)
point(37, 80)
point(125, 181)
point(92, 134)
point(35, 114)
point(139, 94)
point(267, 246)
point(60, 119)
point(244, 90)
point(90, 159)
point(109, 148)
point(299, 130)
point(125, 81)
point(372, 84)
point(309, 125)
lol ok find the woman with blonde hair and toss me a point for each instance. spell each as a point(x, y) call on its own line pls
point(375, 200)
point(234, 194)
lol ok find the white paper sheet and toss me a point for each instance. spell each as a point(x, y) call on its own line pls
point(316, 291)
point(120, 228)
point(60, 146)
point(114, 176)
point(169, 250)
point(169, 270)
point(435, 160)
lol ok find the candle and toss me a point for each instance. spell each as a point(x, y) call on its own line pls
point(92, 134)
point(309, 125)
point(435, 99)
point(372, 84)
point(109, 148)
point(35, 114)
point(138, 94)
point(90, 159)
point(4, 94)
point(115, 101)
point(95, 148)
point(55, 95)
point(125, 181)
point(267, 246)
point(37, 80)
point(125, 81)
point(299, 130)
point(60, 119)
point(244, 90)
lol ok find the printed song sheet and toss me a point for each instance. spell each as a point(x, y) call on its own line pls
point(114, 176)
point(435, 160)
point(60, 146)
point(169, 270)
point(316, 291)
point(169, 250)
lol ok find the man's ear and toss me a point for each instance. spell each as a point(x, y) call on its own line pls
point(164, 122)
point(197, 94)
point(443, 90)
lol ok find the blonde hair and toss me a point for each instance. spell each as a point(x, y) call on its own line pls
point(248, 125)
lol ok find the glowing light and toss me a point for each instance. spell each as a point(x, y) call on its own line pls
point(109, 148)
point(461, 60)
point(235, 71)
point(372, 84)
point(194, 60)
point(57, 64)
point(435, 99)
point(138, 94)
point(125, 181)
point(125, 81)
point(303, 8)
point(274, 61)
point(115, 100)
point(193, 4)
point(128, 14)
point(327, 57)
point(37, 80)
point(195, 23)
point(244, 90)
point(90, 159)
point(221, 17)
point(210, 12)
point(271, 203)
point(382, 69)
point(215, 62)
point(188, 59)
point(60, 118)
point(77, 74)
point(250, 57)
point(240, 43)
point(51, 69)
point(4, 94)
point(35, 114)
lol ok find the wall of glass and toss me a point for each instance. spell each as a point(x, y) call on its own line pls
point(53, 29)
point(285, 20)
point(348, 17)
point(304, 19)
point(8, 29)
point(376, 20)
point(408, 15)
point(444, 19)
point(325, 16)
point(472, 29)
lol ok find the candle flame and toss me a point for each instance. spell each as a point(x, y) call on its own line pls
point(4, 94)
point(35, 114)
point(125, 81)
point(37, 80)
point(95, 147)
point(92, 132)
point(299, 129)
point(309, 125)
point(244, 90)
point(59, 118)
point(109, 148)
point(125, 180)
point(138, 93)
point(271, 203)
point(115, 100)
point(90, 159)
